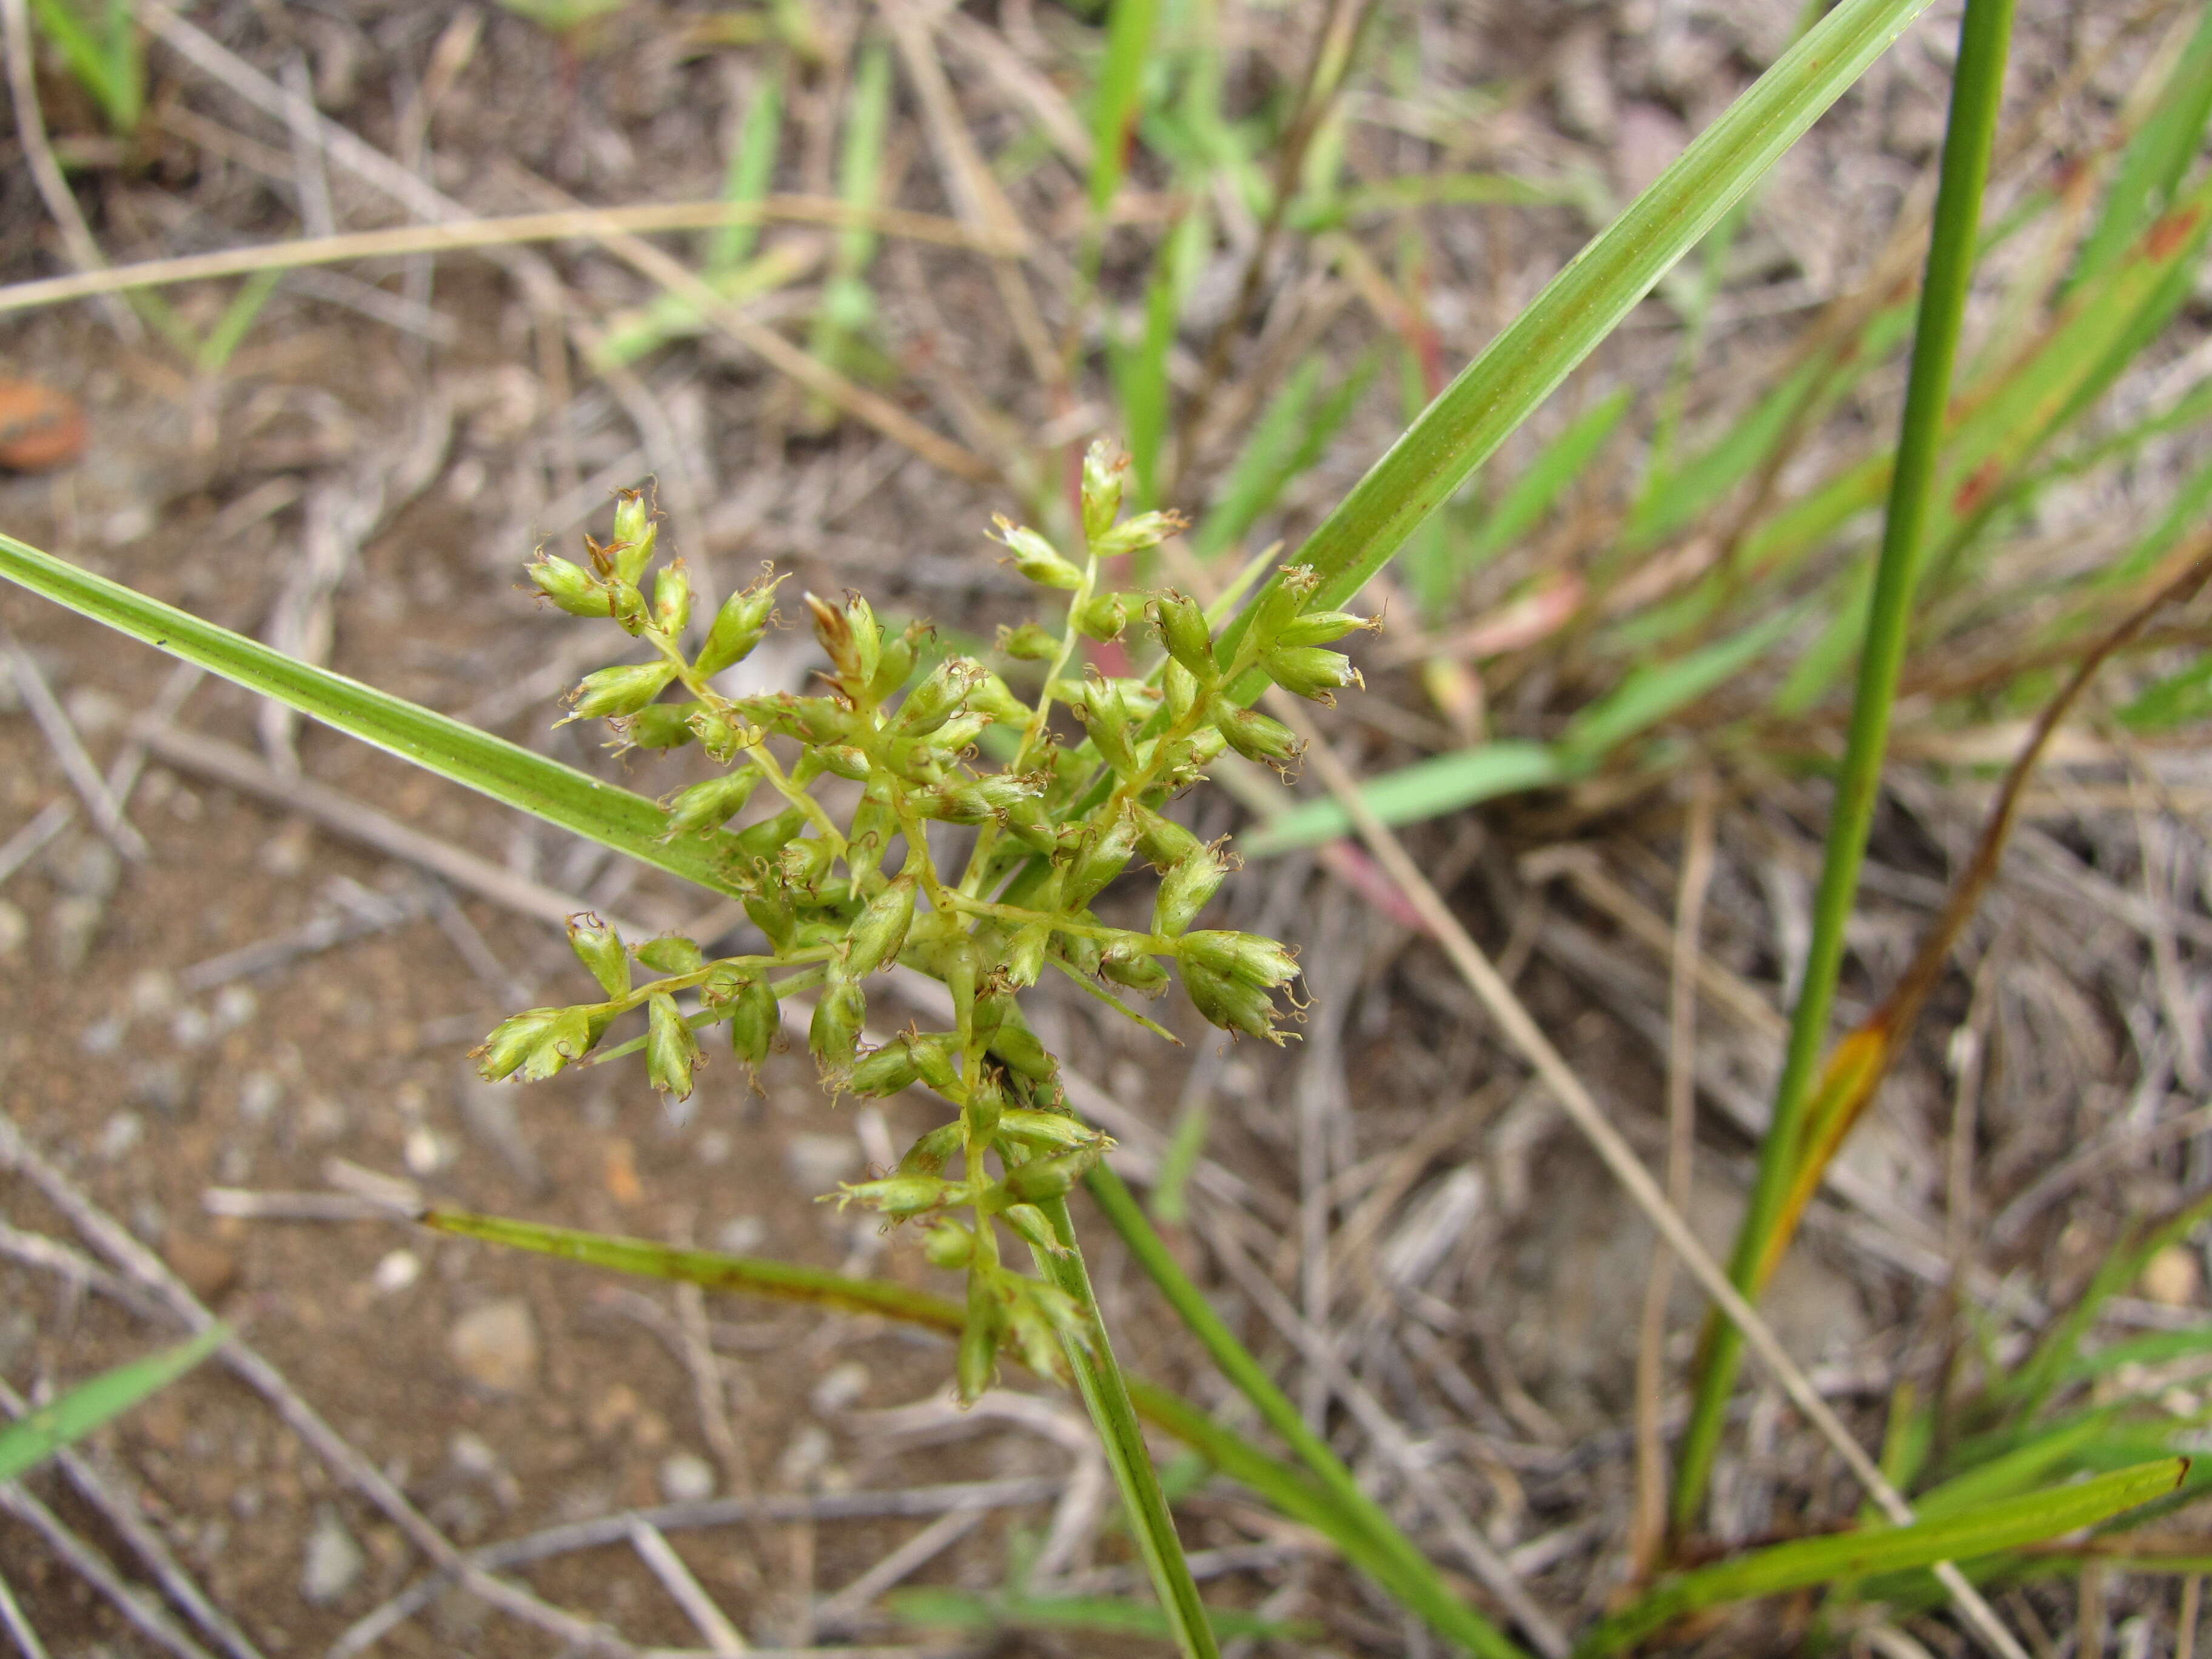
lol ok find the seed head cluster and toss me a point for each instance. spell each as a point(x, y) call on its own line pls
point(842, 883)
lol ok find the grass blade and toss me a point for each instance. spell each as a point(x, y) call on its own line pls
point(1120, 85)
point(1531, 496)
point(2151, 167)
point(1976, 90)
point(1105, 1393)
point(847, 303)
point(1981, 1531)
point(1284, 443)
point(947, 1608)
point(32, 1439)
point(1652, 692)
point(504, 771)
point(1294, 1495)
point(1427, 789)
point(1413, 1579)
point(1580, 306)
point(751, 171)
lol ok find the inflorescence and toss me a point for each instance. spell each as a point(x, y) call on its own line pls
point(1053, 824)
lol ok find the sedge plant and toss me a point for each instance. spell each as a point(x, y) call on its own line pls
point(842, 893)
point(835, 817)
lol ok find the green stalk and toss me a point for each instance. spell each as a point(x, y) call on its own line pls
point(1275, 1483)
point(1984, 34)
point(1414, 1579)
point(1106, 1392)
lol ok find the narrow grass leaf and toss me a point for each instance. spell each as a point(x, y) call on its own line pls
point(1228, 1451)
point(849, 305)
point(1358, 1525)
point(1581, 305)
point(237, 320)
point(1140, 372)
point(1286, 444)
point(1120, 85)
point(751, 171)
point(108, 63)
point(2024, 1389)
point(1985, 39)
point(504, 771)
point(1981, 1531)
point(1427, 789)
point(2158, 1348)
point(1381, 195)
point(1525, 501)
point(946, 1608)
point(1655, 690)
point(32, 1439)
point(2156, 159)
point(1106, 1395)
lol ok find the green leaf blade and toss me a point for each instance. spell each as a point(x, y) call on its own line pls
point(1984, 1530)
point(1495, 392)
point(31, 1440)
point(506, 772)
point(1427, 789)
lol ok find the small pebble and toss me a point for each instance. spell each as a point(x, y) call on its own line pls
point(211, 1268)
point(234, 1005)
point(70, 925)
point(471, 1454)
point(122, 1132)
point(153, 993)
point(741, 1234)
point(842, 1388)
point(290, 850)
point(2171, 1277)
point(807, 1453)
point(686, 1478)
point(93, 711)
point(14, 928)
point(495, 1346)
point(162, 1083)
point(321, 1120)
point(424, 1152)
point(397, 1271)
point(817, 1162)
point(103, 1037)
point(126, 525)
point(333, 1561)
point(259, 1094)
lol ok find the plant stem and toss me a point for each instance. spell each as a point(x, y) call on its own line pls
point(1106, 1392)
point(1977, 88)
point(1416, 1581)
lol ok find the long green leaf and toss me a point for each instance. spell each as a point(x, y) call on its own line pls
point(1427, 789)
point(1653, 691)
point(33, 1439)
point(1531, 496)
point(1977, 88)
point(1410, 1576)
point(1297, 1497)
point(2156, 158)
point(1120, 84)
point(1581, 305)
point(1978, 1532)
point(942, 1607)
point(1106, 1395)
point(492, 766)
